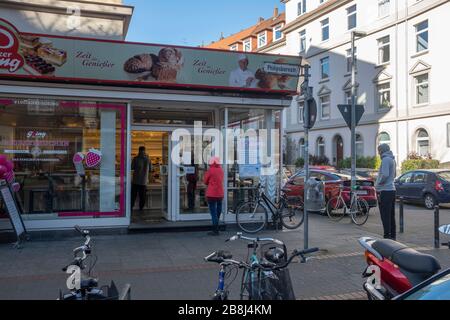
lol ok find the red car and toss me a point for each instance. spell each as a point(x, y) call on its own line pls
point(332, 181)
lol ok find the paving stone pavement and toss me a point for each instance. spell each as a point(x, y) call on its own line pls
point(170, 265)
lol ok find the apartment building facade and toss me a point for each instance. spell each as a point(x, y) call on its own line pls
point(401, 76)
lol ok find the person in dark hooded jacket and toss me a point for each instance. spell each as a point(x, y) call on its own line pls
point(386, 190)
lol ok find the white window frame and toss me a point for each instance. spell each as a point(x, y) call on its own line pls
point(416, 86)
point(301, 7)
point(275, 30)
point(379, 93)
point(388, 142)
point(325, 24)
point(234, 47)
point(302, 40)
point(382, 11)
point(348, 96)
point(300, 110)
point(262, 35)
point(359, 143)
point(381, 47)
point(350, 15)
point(247, 42)
point(328, 104)
point(418, 33)
point(320, 143)
point(321, 68)
point(420, 139)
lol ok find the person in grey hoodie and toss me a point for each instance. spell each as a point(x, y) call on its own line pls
point(386, 190)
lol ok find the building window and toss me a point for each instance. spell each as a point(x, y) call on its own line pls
point(301, 7)
point(303, 41)
point(320, 147)
point(302, 148)
point(384, 7)
point(359, 146)
point(423, 143)
point(248, 45)
point(277, 33)
point(348, 97)
point(325, 107)
point(325, 67)
point(384, 51)
point(384, 96)
point(43, 138)
point(349, 59)
point(234, 47)
point(262, 39)
point(448, 135)
point(422, 89)
point(325, 29)
point(422, 36)
point(301, 108)
point(351, 17)
point(384, 138)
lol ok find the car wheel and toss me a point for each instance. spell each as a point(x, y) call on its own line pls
point(429, 201)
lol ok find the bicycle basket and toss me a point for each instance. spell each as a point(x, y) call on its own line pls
point(273, 285)
point(267, 247)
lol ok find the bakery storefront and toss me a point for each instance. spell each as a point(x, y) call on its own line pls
point(74, 112)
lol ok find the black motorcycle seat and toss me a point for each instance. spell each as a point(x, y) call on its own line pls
point(406, 258)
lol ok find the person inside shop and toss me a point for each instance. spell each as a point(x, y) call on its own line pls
point(242, 77)
point(192, 179)
point(141, 167)
point(386, 190)
point(213, 179)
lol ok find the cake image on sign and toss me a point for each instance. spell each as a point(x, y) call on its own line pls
point(93, 158)
point(170, 62)
point(35, 65)
point(30, 42)
point(52, 55)
point(140, 66)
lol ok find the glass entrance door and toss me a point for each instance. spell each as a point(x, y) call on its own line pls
point(190, 190)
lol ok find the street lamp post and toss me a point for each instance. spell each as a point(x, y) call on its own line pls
point(355, 34)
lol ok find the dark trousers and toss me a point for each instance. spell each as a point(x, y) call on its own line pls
point(215, 208)
point(191, 196)
point(141, 190)
point(387, 212)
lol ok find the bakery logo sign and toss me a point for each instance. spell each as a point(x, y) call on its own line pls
point(282, 69)
point(36, 134)
point(9, 51)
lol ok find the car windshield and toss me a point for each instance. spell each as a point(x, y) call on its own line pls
point(438, 290)
point(444, 175)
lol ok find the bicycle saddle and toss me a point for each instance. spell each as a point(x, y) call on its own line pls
point(275, 255)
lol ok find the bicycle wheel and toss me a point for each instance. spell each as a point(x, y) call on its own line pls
point(251, 217)
point(291, 217)
point(360, 211)
point(336, 209)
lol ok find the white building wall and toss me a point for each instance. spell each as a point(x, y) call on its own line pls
point(404, 118)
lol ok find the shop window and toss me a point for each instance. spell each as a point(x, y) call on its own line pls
point(145, 115)
point(42, 138)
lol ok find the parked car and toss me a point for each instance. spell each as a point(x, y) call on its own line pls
point(430, 187)
point(332, 181)
point(369, 174)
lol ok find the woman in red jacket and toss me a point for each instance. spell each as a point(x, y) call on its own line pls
point(214, 192)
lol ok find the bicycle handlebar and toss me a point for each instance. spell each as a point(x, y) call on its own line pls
point(240, 236)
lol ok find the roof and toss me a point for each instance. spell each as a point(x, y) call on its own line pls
point(252, 31)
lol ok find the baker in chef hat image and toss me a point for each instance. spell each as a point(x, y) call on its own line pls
point(243, 77)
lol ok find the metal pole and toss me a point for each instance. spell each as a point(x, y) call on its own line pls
point(401, 216)
point(437, 243)
point(353, 120)
point(306, 153)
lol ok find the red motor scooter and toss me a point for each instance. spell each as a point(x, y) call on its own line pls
point(394, 268)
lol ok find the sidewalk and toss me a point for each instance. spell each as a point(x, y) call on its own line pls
point(170, 265)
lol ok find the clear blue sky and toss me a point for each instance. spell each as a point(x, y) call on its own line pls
point(192, 22)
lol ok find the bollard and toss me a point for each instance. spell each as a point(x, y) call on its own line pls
point(437, 244)
point(402, 221)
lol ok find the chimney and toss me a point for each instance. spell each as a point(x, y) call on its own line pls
point(261, 19)
point(221, 36)
point(275, 12)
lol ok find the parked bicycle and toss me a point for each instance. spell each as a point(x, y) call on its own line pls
point(85, 287)
point(265, 277)
point(252, 216)
point(357, 207)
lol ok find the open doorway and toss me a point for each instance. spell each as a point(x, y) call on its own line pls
point(155, 192)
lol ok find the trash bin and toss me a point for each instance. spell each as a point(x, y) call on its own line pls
point(315, 195)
